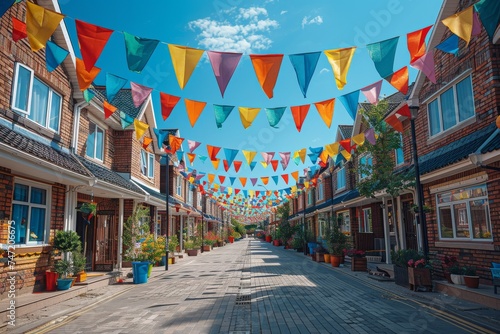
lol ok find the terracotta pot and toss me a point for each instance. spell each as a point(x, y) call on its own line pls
point(327, 258)
point(335, 260)
point(471, 281)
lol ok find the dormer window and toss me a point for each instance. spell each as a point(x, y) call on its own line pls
point(147, 164)
point(95, 142)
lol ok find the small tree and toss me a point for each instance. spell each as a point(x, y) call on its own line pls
point(134, 231)
point(286, 229)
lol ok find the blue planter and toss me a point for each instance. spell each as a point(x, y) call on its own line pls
point(312, 246)
point(163, 260)
point(64, 283)
point(140, 272)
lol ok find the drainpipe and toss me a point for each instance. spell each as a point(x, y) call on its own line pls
point(120, 233)
point(76, 122)
point(387, 234)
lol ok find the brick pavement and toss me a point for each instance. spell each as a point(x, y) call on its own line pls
point(253, 287)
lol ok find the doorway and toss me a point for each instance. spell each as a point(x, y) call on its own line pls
point(105, 241)
point(410, 226)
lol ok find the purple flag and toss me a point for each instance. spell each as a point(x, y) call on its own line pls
point(139, 93)
point(193, 145)
point(426, 65)
point(285, 159)
point(223, 64)
point(254, 180)
point(370, 136)
point(372, 92)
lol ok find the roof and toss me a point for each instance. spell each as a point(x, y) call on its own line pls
point(459, 149)
point(346, 131)
point(151, 191)
point(123, 100)
point(40, 150)
point(107, 175)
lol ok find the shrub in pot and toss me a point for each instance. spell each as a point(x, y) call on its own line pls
point(471, 279)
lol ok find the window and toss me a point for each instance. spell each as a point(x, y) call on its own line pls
point(344, 220)
point(310, 197)
point(178, 183)
point(452, 107)
point(320, 190)
point(95, 142)
point(190, 197)
point(399, 152)
point(341, 178)
point(366, 225)
point(464, 214)
point(30, 212)
point(365, 163)
point(34, 99)
point(147, 164)
point(198, 195)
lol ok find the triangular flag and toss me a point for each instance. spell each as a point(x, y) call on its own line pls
point(146, 141)
point(5, 5)
point(395, 123)
point(223, 65)
point(399, 80)
point(254, 180)
point(449, 45)
point(425, 64)
point(109, 109)
point(325, 110)
point(125, 119)
point(324, 157)
point(194, 109)
point(340, 60)
point(221, 114)
point(247, 115)
point(202, 158)
point(54, 56)
point(184, 60)
point(168, 103)
point(497, 122)
point(346, 144)
point(193, 145)
point(404, 111)
point(113, 85)
point(40, 25)
point(139, 93)
point(85, 78)
point(18, 29)
point(346, 155)
point(382, 54)
point(302, 154)
point(332, 149)
point(249, 156)
point(372, 92)
point(212, 151)
point(274, 115)
point(180, 158)
point(350, 102)
point(175, 143)
point(265, 180)
point(232, 179)
point(215, 163)
point(138, 51)
point(267, 68)
point(358, 139)
point(299, 115)
point(274, 164)
point(87, 94)
point(230, 155)
point(461, 23)
point(92, 40)
point(267, 156)
point(304, 65)
point(416, 43)
point(370, 136)
point(253, 164)
point(275, 179)
point(237, 191)
point(295, 175)
point(285, 159)
point(210, 177)
point(489, 13)
point(140, 128)
point(237, 165)
point(243, 181)
point(160, 136)
point(285, 178)
point(191, 157)
point(264, 164)
point(476, 24)
point(222, 178)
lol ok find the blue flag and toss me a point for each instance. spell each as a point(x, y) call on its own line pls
point(304, 65)
point(350, 102)
point(274, 115)
point(382, 54)
point(113, 85)
point(221, 114)
point(449, 45)
point(54, 56)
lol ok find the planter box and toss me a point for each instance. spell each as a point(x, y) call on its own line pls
point(419, 277)
point(319, 257)
point(359, 264)
point(471, 281)
point(192, 252)
point(401, 276)
point(207, 248)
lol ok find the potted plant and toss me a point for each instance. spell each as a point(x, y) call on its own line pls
point(153, 248)
point(446, 264)
point(471, 279)
point(336, 243)
point(63, 268)
point(133, 232)
point(173, 244)
point(79, 262)
point(457, 274)
point(400, 260)
point(88, 210)
point(318, 254)
point(419, 274)
point(192, 247)
point(358, 259)
point(65, 242)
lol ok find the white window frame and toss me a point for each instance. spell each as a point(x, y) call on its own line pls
point(346, 221)
point(437, 99)
point(26, 113)
point(310, 197)
point(367, 226)
point(178, 188)
point(97, 128)
point(368, 158)
point(396, 151)
point(320, 189)
point(341, 170)
point(147, 164)
point(190, 197)
point(47, 207)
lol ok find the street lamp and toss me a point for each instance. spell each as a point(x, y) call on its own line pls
point(202, 221)
point(420, 197)
point(301, 184)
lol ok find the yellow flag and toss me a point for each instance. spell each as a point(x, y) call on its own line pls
point(229, 190)
point(211, 178)
point(293, 189)
point(264, 164)
point(216, 163)
point(332, 149)
point(359, 139)
point(251, 193)
point(140, 128)
point(340, 60)
point(248, 115)
point(461, 23)
point(302, 154)
point(40, 25)
point(184, 60)
point(324, 156)
point(346, 155)
point(249, 156)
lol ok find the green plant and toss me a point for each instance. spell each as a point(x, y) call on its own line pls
point(469, 271)
point(401, 257)
point(63, 268)
point(88, 208)
point(173, 242)
point(67, 241)
point(79, 261)
point(153, 248)
point(133, 231)
point(336, 240)
point(457, 270)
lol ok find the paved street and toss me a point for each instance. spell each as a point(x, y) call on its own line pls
point(253, 287)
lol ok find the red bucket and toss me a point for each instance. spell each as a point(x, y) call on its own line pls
point(50, 281)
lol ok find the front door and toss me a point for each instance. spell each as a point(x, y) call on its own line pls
point(106, 242)
point(410, 226)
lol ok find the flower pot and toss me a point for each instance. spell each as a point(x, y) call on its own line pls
point(335, 260)
point(231, 239)
point(319, 257)
point(312, 246)
point(359, 264)
point(171, 260)
point(64, 283)
point(81, 276)
point(401, 276)
point(150, 269)
point(192, 252)
point(50, 281)
point(447, 276)
point(418, 277)
point(268, 239)
point(471, 281)
point(327, 258)
point(207, 248)
point(140, 272)
point(457, 279)
point(276, 242)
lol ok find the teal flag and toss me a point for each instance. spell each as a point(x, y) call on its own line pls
point(449, 45)
point(5, 5)
point(382, 54)
point(126, 120)
point(180, 155)
point(113, 85)
point(88, 95)
point(350, 102)
point(304, 65)
point(221, 113)
point(230, 155)
point(202, 158)
point(232, 179)
point(253, 164)
point(160, 136)
point(54, 55)
point(315, 152)
point(489, 13)
point(274, 115)
point(275, 179)
point(138, 51)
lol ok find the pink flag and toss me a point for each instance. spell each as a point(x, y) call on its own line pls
point(139, 93)
point(426, 65)
point(370, 136)
point(267, 156)
point(372, 92)
point(223, 65)
point(193, 145)
point(254, 180)
point(285, 159)
point(476, 25)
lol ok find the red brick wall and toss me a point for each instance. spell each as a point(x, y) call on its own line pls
point(122, 161)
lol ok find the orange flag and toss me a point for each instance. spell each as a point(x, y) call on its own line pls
point(175, 143)
point(267, 68)
point(145, 142)
point(237, 165)
point(109, 109)
point(399, 80)
point(194, 109)
point(18, 29)
point(191, 157)
point(295, 175)
point(265, 180)
point(416, 43)
point(40, 25)
point(168, 103)
point(92, 40)
point(394, 121)
point(299, 115)
point(274, 163)
point(85, 78)
point(212, 152)
point(404, 111)
point(243, 181)
point(211, 178)
point(325, 110)
point(215, 163)
point(285, 178)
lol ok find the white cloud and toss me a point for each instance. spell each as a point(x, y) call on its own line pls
point(315, 20)
point(283, 12)
point(246, 34)
point(324, 70)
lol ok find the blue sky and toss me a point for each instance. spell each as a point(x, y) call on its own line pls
point(256, 27)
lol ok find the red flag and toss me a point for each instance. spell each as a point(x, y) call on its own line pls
point(222, 178)
point(168, 103)
point(285, 178)
point(18, 29)
point(226, 165)
point(416, 43)
point(92, 40)
point(274, 163)
point(237, 165)
point(394, 121)
point(404, 111)
point(399, 80)
point(109, 109)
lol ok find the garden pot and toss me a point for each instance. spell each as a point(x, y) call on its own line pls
point(276, 242)
point(163, 260)
point(192, 252)
point(150, 269)
point(81, 276)
point(418, 277)
point(401, 276)
point(319, 257)
point(457, 279)
point(268, 238)
point(64, 283)
point(335, 260)
point(231, 239)
point(171, 260)
point(50, 281)
point(471, 281)
point(140, 271)
point(312, 246)
point(327, 258)
point(358, 264)
point(207, 248)
point(447, 276)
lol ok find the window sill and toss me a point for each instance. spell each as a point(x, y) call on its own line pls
point(446, 133)
point(21, 120)
point(480, 245)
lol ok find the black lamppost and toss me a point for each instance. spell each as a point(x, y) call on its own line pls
point(166, 143)
point(418, 186)
point(202, 221)
point(301, 184)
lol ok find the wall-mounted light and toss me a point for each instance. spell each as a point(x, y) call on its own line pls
point(476, 160)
